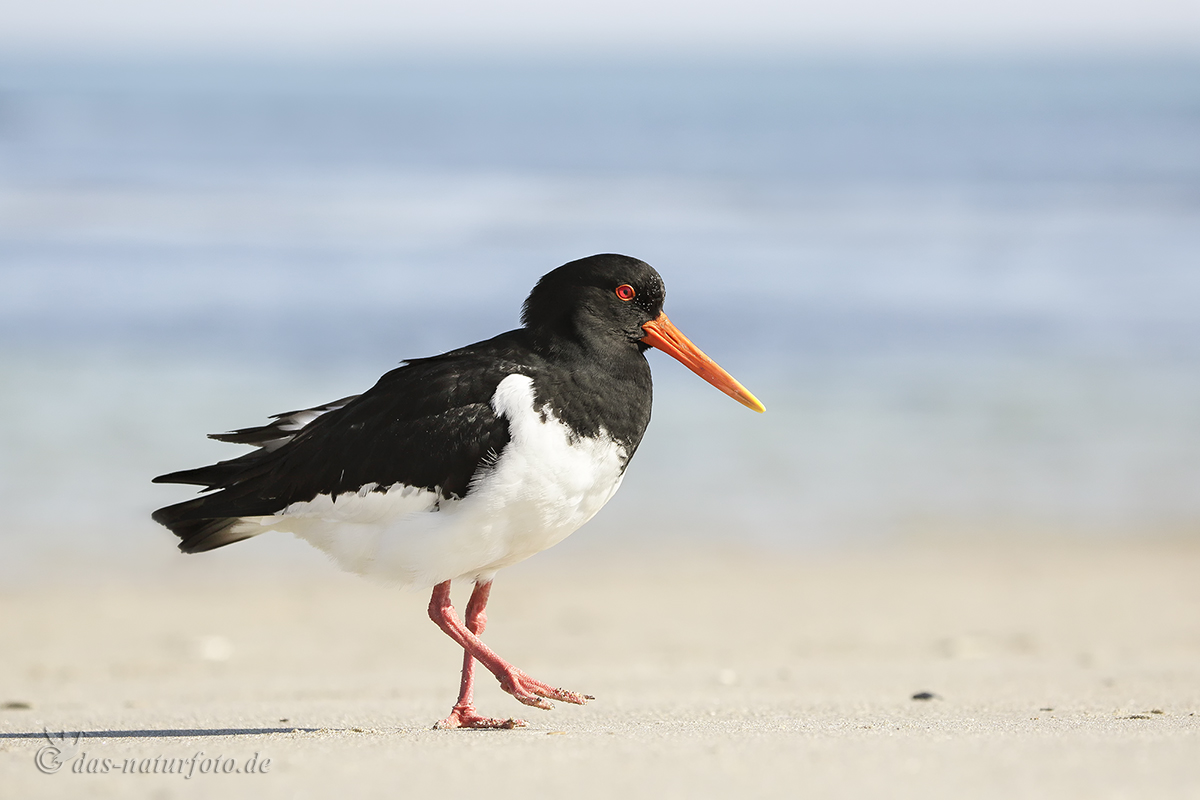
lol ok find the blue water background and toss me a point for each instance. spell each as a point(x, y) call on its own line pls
point(967, 291)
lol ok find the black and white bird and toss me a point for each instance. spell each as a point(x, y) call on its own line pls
point(455, 466)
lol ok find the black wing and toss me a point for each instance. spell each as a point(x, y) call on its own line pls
point(427, 424)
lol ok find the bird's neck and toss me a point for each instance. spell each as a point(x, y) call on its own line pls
point(596, 383)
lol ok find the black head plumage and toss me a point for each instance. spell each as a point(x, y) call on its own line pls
point(580, 300)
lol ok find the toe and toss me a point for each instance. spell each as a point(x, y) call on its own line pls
point(467, 718)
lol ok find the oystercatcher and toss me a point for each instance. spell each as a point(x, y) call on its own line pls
point(454, 466)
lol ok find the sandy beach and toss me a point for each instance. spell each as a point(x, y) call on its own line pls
point(1055, 670)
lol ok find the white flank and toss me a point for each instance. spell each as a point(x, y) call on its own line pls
point(542, 488)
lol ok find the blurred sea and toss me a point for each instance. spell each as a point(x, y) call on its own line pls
point(967, 291)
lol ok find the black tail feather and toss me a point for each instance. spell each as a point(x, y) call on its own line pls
point(207, 522)
point(197, 531)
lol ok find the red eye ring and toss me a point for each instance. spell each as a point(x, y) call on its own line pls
point(626, 292)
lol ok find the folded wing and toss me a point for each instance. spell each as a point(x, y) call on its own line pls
point(429, 424)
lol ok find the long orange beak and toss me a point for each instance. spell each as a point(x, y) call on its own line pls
point(660, 333)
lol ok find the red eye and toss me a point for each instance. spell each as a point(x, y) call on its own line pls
point(626, 292)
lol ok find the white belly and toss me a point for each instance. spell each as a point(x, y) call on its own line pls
point(542, 488)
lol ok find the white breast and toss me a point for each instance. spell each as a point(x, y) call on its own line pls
point(544, 485)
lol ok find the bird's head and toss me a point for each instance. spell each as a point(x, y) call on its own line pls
point(617, 301)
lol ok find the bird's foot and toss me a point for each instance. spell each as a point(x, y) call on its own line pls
point(534, 693)
point(465, 717)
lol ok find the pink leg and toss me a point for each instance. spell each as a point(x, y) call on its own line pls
point(512, 680)
point(463, 714)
